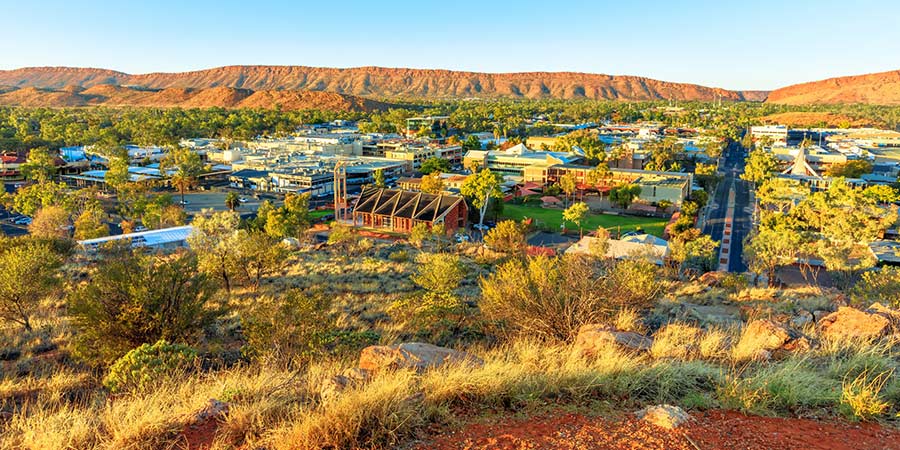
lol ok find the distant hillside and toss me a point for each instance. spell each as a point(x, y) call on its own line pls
point(385, 82)
point(225, 97)
point(875, 88)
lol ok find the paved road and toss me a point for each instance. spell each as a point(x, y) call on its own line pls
point(732, 165)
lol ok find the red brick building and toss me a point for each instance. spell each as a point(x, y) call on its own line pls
point(399, 210)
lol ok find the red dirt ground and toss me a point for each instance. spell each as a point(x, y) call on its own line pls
point(706, 431)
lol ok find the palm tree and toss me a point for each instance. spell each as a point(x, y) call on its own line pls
point(232, 201)
point(182, 182)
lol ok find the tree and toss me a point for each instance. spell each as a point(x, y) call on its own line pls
point(29, 273)
point(259, 255)
point(117, 175)
point(781, 194)
point(215, 239)
point(850, 169)
point(568, 185)
point(432, 184)
point(575, 214)
point(769, 248)
point(624, 194)
point(289, 221)
point(480, 188)
point(694, 252)
point(139, 299)
point(39, 166)
point(760, 166)
point(187, 166)
point(30, 198)
point(51, 222)
point(471, 143)
point(289, 330)
point(596, 175)
point(435, 164)
point(91, 224)
point(232, 201)
point(508, 236)
point(881, 193)
point(378, 178)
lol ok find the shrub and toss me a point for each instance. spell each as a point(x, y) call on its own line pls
point(439, 272)
point(290, 330)
point(878, 286)
point(508, 236)
point(861, 397)
point(147, 364)
point(550, 298)
point(134, 300)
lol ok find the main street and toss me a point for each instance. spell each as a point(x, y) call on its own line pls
point(731, 238)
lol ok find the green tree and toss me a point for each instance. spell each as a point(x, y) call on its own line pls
point(117, 175)
point(576, 214)
point(39, 166)
point(882, 194)
point(28, 199)
point(760, 166)
point(471, 143)
point(215, 240)
point(91, 224)
point(140, 299)
point(232, 201)
point(850, 169)
point(480, 188)
point(770, 248)
point(599, 246)
point(624, 194)
point(568, 185)
point(187, 166)
point(435, 164)
point(378, 177)
point(259, 255)
point(432, 184)
point(29, 273)
point(288, 331)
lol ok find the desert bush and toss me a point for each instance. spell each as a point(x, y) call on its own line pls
point(881, 286)
point(508, 236)
point(136, 299)
point(627, 319)
point(861, 396)
point(147, 365)
point(550, 298)
point(288, 330)
point(439, 272)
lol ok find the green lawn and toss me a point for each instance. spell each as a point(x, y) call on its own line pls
point(552, 218)
point(320, 213)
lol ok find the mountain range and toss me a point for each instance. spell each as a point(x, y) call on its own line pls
point(300, 87)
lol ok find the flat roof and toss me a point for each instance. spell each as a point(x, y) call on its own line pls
point(148, 238)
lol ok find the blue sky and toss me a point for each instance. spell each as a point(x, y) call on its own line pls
point(737, 45)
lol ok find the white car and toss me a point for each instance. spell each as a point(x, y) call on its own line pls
point(243, 200)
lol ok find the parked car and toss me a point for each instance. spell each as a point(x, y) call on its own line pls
point(23, 221)
point(140, 228)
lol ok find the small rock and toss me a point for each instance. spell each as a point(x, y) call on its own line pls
point(334, 385)
point(664, 416)
point(214, 409)
point(413, 355)
point(593, 337)
point(820, 314)
point(801, 319)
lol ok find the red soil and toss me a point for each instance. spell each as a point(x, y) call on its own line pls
point(707, 430)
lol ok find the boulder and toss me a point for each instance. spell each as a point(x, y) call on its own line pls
point(413, 355)
point(820, 314)
point(849, 322)
point(761, 338)
point(593, 337)
point(664, 416)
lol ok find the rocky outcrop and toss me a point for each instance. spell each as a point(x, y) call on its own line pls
point(220, 96)
point(414, 355)
point(852, 323)
point(381, 82)
point(875, 88)
point(664, 416)
point(593, 338)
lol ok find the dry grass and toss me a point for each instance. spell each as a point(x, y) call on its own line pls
point(861, 396)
